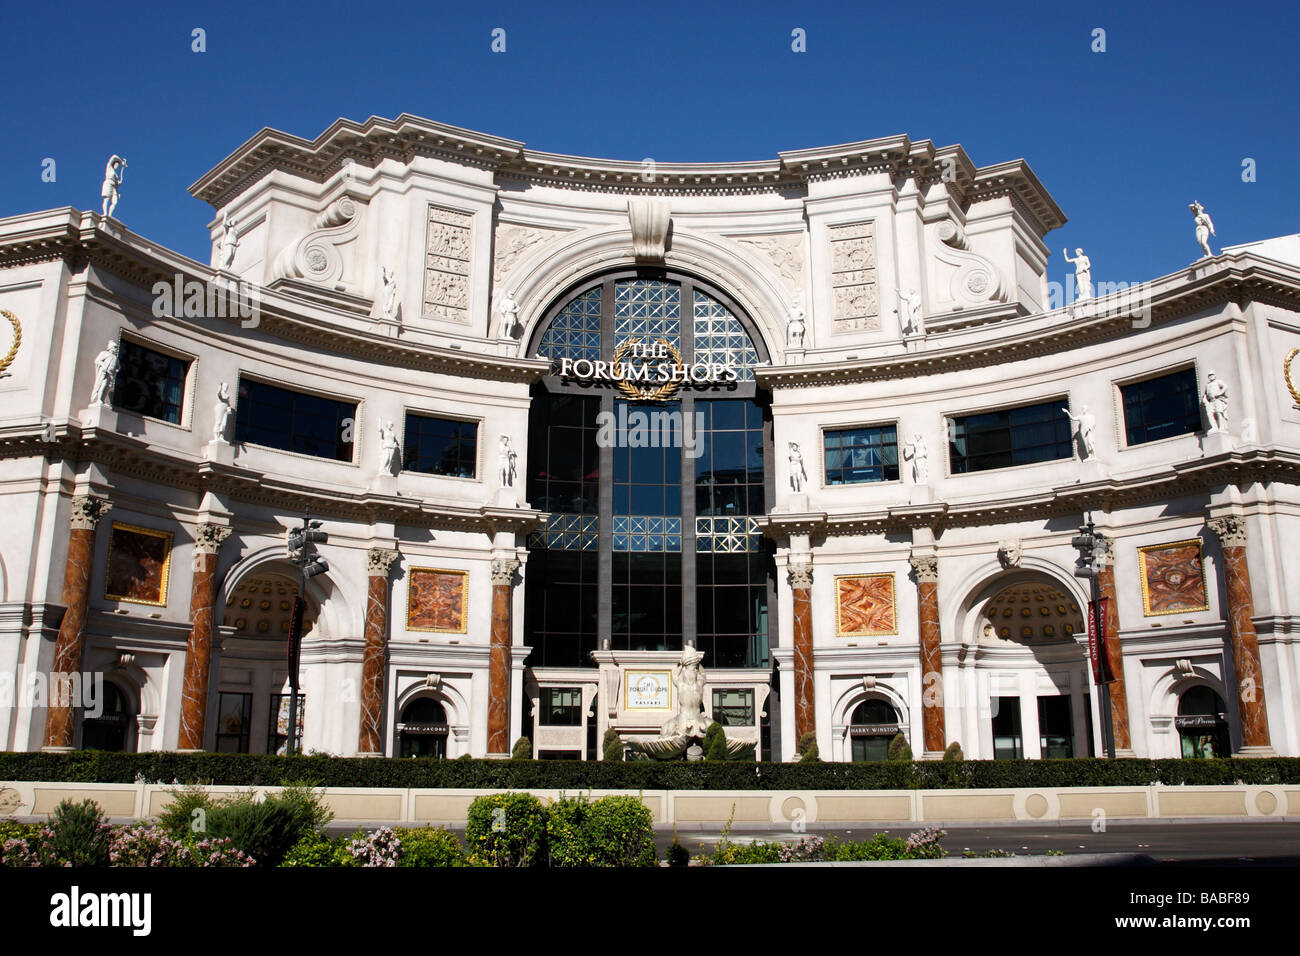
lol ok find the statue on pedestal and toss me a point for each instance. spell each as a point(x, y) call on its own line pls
point(1204, 228)
point(388, 293)
point(508, 309)
point(795, 326)
point(1082, 274)
point(229, 242)
point(798, 476)
point(1216, 403)
point(221, 413)
point(391, 449)
point(1084, 426)
point(506, 459)
point(105, 375)
point(112, 180)
point(909, 311)
point(916, 451)
point(689, 723)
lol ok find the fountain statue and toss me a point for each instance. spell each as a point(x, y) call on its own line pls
point(689, 724)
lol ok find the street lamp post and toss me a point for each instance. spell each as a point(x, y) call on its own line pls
point(1086, 543)
point(301, 542)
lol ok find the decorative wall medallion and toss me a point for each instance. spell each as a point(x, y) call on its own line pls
point(784, 252)
point(1286, 375)
point(139, 560)
point(864, 605)
point(12, 353)
point(854, 298)
point(436, 601)
point(448, 245)
point(1173, 578)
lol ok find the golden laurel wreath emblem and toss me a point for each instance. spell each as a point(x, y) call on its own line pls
point(1286, 376)
point(636, 392)
point(18, 340)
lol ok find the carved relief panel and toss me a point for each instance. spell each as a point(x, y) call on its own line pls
point(448, 247)
point(855, 304)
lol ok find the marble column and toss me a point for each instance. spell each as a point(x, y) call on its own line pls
point(1231, 531)
point(379, 561)
point(198, 649)
point(1114, 650)
point(498, 739)
point(933, 730)
point(805, 712)
point(70, 644)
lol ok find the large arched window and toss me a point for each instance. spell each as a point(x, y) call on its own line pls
point(653, 487)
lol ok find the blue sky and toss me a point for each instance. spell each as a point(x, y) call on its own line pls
point(1123, 140)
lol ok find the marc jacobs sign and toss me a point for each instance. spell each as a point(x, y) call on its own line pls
point(648, 371)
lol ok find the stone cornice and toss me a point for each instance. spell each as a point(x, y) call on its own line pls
point(1241, 277)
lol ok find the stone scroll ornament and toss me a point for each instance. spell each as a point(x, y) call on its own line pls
point(972, 279)
point(316, 257)
point(10, 355)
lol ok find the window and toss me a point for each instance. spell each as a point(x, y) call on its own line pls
point(1055, 727)
point(561, 707)
point(734, 708)
point(872, 728)
point(111, 729)
point(277, 729)
point(422, 729)
point(441, 446)
point(1012, 436)
point(855, 455)
point(651, 541)
point(294, 421)
point(234, 722)
point(150, 383)
point(1202, 723)
point(1161, 407)
point(1007, 743)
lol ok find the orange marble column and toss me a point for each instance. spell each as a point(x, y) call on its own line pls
point(374, 657)
point(805, 712)
point(934, 732)
point(198, 648)
point(60, 721)
point(498, 739)
point(1231, 531)
point(1114, 649)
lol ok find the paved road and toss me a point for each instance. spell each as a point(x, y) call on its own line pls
point(1217, 843)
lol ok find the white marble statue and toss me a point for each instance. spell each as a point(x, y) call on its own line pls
point(1216, 403)
point(688, 682)
point(1204, 228)
point(798, 476)
point(112, 180)
point(1084, 426)
point(221, 412)
point(388, 293)
point(1082, 274)
point(916, 452)
point(229, 242)
point(909, 310)
point(506, 459)
point(105, 375)
point(392, 450)
point(795, 326)
point(508, 309)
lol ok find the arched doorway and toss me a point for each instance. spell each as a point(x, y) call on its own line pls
point(1027, 681)
point(114, 728)
point(1202, 723)
point(252, 689)
point(653, 488)
point(872, 726)
point(422, 729)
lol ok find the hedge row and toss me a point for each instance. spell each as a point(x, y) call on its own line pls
point(90, 766)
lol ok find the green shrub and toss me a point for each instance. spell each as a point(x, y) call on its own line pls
point(808, 748)
point(180, 820)
point(523, 749)
point(715, 742)
point(316, 850)
point(430, 846)
point(953, 752)
point(612, 746)
point(677, 854)
point(899, 751)
point(78, 834)
point(611, 831)
point(506, 829)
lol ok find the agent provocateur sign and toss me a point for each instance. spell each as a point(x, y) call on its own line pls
point(648, 371)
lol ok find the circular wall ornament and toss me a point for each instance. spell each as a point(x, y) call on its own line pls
point(18, 340)
point(1286, 375)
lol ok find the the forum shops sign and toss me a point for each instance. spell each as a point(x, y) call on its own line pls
point(648, 371)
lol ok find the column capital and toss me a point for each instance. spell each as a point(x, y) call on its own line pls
point(208, 537)
point(503, 571)
point(801, 575)
point(925, 566)
point(87, 510)
point(1230, 530)
point(379, 561)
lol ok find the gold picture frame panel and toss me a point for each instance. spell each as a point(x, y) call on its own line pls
point(131, 550)
point(459, 623)
point(869, 621)
point(1169, 583)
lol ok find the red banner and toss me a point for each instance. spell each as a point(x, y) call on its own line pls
point(1101, 668)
